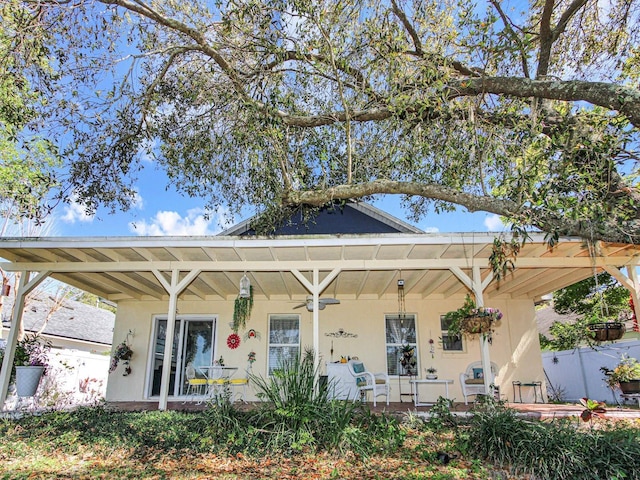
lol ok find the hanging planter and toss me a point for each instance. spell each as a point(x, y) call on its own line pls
point(472, 320)
point(476, 325)
point(242, 311)
point(607, 331)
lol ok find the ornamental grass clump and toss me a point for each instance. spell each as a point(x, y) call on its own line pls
point(556, 450)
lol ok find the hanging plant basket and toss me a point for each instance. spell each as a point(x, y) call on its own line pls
point(242, 311)
point(607, 331)
point(477, 324)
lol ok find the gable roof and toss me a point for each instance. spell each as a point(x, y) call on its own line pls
point(74, 320)
point(350, 218)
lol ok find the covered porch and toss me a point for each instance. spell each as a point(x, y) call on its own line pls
point(174, 276)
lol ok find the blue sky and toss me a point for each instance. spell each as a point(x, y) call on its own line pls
point(162, 211)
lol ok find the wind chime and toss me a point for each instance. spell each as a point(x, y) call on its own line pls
point(401, 307)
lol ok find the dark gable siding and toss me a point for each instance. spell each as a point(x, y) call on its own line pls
point(333, 221)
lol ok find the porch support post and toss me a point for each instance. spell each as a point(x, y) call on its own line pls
point(631, 283)
point(484, 340)
point(477, 286)
point(316, 321)
point(316, 287)
point(24, 287)
point(173, 290)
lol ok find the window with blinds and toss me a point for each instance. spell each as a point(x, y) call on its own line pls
point(284, 340)
point(399, 332)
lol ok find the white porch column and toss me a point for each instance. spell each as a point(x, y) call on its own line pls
point(316, 287)
point(173, 290)
point(477, 286)
point(484, 341)
point(631, 283)
point(24, 287)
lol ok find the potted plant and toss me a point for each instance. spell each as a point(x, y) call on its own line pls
point(31, 361)
point(625, 376)
point(431, 373)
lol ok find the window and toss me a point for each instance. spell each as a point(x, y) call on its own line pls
point(449, 342)
point(400, 332)
point(284, 340)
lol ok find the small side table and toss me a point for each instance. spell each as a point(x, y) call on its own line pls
point(536, 385)
point(417, 383)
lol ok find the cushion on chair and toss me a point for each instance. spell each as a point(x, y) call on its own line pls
point(359, 368)
point(478, 373)
point(197, 381)
point(238, 381)
point(380, 381)
point(474, 381)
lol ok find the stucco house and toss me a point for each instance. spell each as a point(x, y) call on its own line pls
point(175, 296)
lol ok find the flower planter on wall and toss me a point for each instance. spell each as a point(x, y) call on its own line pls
point(27, 380)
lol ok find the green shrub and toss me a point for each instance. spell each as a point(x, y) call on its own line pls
point(552, 450)
point(298, 415)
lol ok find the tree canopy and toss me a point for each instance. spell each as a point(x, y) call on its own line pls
point(28, 162)
point(527, 110)
point(595, 299)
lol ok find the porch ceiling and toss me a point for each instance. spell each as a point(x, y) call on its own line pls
point(119, 268)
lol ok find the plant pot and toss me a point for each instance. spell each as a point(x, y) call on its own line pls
point(607, 331)
point(630, 387)
point(476, 324)
point(27, 380)
point(432, 376)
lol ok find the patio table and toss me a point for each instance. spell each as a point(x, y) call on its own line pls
point(217, 376)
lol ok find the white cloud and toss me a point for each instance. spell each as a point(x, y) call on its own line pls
point(494, 223)
point(138, 201)
point(172, 223)
point(76, 212)
point(431, 229)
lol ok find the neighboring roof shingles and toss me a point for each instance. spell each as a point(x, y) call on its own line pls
point(74, 320)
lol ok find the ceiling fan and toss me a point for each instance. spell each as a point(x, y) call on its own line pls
point(323, 302)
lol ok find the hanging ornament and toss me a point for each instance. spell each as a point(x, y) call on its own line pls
point(251, 333)
point(432, 347)
point(233, 341)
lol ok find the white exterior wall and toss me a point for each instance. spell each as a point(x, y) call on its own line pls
point(515, 347)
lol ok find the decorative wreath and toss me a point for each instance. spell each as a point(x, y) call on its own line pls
point(233, 341)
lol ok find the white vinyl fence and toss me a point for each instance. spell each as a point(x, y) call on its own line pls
point(574, 374)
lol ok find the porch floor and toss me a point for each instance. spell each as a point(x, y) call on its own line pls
point(534, 410)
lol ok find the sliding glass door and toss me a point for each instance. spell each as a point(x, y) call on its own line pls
point(193, 342)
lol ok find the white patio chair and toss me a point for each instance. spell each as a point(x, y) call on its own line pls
point(241, 382)
point(472, 380)
point(195, 385)
point(376, 383)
